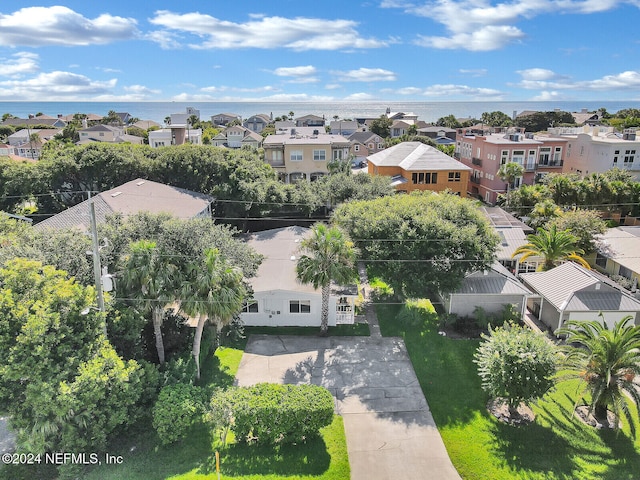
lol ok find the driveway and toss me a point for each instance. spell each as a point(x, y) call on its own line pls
point(389, 428)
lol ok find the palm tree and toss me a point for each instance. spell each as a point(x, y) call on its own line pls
point(509, 172)
point(330, 256)
point(213, 291)
point(151, 281)
point(607, 361)
point(554, 246)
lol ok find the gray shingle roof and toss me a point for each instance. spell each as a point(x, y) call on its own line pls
point(132, 197)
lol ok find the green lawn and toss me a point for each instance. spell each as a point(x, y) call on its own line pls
point(144, 458)
point(555, 446)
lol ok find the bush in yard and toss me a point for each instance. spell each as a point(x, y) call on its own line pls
point(516, 364)
point(270, 414)
point(415, 311)
point(178, 408)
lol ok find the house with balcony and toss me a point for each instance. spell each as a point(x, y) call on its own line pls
point(28, 143)
point(310, 121)
point(485, 152)
point(224, 119)
point(107, 133)
point(177, 132)
point(237, 136)
point(417, 166)
point(343, 127)
point(279, 299)
point(600, 148)
point(302, 154)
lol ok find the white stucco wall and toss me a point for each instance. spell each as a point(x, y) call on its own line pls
point(270, 303)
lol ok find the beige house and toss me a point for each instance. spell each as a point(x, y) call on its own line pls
point(299, 154)
point(237, 136)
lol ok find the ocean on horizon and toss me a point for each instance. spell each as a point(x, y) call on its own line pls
point(426, 111)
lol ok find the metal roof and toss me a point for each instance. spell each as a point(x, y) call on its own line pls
point(622, 245)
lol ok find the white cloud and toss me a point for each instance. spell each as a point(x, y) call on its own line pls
point(332, 86)
point(295, 71)
point(356, 97)
point(365, 75)
point(477, 72)
point(55, 86)
point(142, 91)
point(279, 97)
point(224, 88)
point(19, 64)
point(483, 39)
point(547, 80)
point(58, 25)
point(546, 96)
point(262, 32)
point(492, 26)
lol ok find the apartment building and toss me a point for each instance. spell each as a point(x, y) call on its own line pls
point(485, 152)
point(303, 153)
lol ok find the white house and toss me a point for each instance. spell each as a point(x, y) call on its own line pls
point(279, 299)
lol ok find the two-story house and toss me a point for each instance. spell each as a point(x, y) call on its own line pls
point(178, 132)
point(27, 143)
point(417, 166)
point(364, 144)
point(310, 121)
point(107, 133)
point(598, 149)
point(257, 123)
point(223, 119)
point(485, 153)
point(303, 154)
point(237, 136)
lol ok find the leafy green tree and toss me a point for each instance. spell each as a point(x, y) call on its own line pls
point(422, 243)
point(334, 189)
point(607, 361)
point(328, 255)
point(554, 246)
point(178, 408)
point(496, 119)
point(381, 126)
point(61, 382)
point(151, 280)
point(517, 364)
point(544, 212)
point(583, 224)
point(450, 121)
point(214, 292)
point(111, 118)
point(540, 121)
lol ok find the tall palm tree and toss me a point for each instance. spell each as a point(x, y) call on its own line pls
point(606, 361)
point(508, 173)
point(554, 246)
point(151, 280)
point(329, 255)
point(211, 291)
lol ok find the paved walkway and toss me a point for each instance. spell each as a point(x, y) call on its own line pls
point(370, 311)
point(7, 438)
point(389, 428)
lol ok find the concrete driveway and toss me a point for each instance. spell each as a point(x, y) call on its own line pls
point(389, 428)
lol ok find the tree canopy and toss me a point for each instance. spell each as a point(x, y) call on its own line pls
point(421, 243)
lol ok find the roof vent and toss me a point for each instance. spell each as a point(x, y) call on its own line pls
point(140, 183)
point(116, 194)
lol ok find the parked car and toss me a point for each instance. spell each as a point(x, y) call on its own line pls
point(358, 163)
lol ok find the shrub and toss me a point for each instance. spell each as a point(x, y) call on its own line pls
point(415, 311)
point(178, 408)
point(517, 364)
point(270, 414)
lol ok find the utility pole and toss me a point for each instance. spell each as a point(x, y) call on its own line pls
point(97, 269)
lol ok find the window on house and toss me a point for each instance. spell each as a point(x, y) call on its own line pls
point(380, 146)
point(356, 148)
point(601, 260)
point(557, 153)
point(319, 155)
point(625, 272)
point(454, 176)
point(370, 146)
point(276, 155)
point(434, 177)
point(295, 156)
point(338, 155)
point(545, 155)
point(629, 156)
point(299, 306)
point(414, 178)
point(615, 156)
point(518, 156)
point(504, 157)
point(250, 307)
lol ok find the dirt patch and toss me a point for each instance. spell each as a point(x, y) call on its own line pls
point(499, 408)
point(582, 412)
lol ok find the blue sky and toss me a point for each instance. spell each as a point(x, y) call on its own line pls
point(443, 50)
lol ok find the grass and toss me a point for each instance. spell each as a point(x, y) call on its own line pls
point(144, 458)
point(555, 446)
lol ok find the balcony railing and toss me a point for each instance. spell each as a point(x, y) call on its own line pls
point(276, 163)
point(456, 155)
point(531, 166)
point(553, 164)
point(476, 161)
point(474, 179)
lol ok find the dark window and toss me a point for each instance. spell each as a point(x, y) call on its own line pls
point(625, 272)
point(434, 178)
point(414, 178)
point(601, 260)
point(299, 306)
point(250, 307)
point(454, 176)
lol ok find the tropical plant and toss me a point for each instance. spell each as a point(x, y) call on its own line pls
point(509, 172)
point(554, 246)
point(213, 291)
point(151, 281)
point(517, 364)
point(329, 257)
point(607, 361)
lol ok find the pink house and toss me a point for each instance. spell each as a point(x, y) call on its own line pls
point(485, 152)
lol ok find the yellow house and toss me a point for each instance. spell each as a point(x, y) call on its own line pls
point(417, 166)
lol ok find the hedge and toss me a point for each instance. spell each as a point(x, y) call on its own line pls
point(270, 413)
point(178, 408)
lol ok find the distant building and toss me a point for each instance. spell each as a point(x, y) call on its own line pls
point(257, 123)
point(224, 119)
